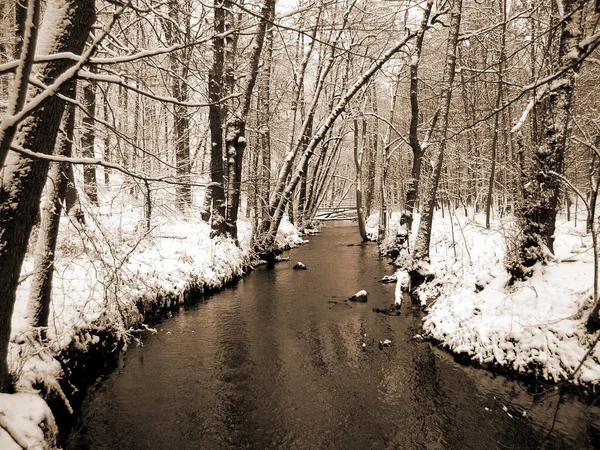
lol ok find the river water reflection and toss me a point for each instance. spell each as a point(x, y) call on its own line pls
point(272, 363)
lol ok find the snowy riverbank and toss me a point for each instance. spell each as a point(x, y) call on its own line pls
point(532, 327)
point(103, 278)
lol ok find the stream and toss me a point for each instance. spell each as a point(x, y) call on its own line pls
point(276, 361)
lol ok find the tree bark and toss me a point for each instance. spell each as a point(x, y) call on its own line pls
point(88, 141)
point(496, 131)
point(179, 86)
point(383, 211)
point(214, 209)
point(23, 178)
point(40, 296)
point(358, 154)
point(264, 130)
point(541, 191)
point(412, 191)
point(373, 147)
point(421, 251)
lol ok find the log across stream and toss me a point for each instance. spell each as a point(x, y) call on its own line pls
point(272, 362)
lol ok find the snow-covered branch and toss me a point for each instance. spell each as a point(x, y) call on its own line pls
point(537, 97)
point(100, 162)
point(11, 120)
point(566, 181)
point(115, 79)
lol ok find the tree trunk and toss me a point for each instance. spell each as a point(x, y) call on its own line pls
point(40, 295)
point(179, 87)
point(358, 154)
point(383, 211)
point(412, 191)
point(23, 178)
point(27, 19)
point(214, 209)
point(107, 135)
point(421, 251)
point(72, 204)
point(302, 206)
point(496, 131)
point(541, 191)
point(236, 143)
point(373, 146)
point(264, 130)
point(88, 141)
point(594, 168)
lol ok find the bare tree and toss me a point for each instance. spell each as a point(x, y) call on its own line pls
point(421, 250)
point(23, 177)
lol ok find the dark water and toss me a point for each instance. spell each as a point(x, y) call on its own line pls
point(271, 364)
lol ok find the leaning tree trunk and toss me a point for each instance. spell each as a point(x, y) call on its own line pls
point(421, 251)
point(23, 178)
point(40, 294)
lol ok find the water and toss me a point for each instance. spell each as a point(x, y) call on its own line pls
point(275, 363)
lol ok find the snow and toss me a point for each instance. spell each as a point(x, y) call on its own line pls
point(105, 273)
point(535, 326)
point(29, 421)
point(402, 286)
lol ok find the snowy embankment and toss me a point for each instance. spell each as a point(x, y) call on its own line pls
point(531, 327)
point(104, 276)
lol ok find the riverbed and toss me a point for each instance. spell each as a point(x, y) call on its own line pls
point(280, 360)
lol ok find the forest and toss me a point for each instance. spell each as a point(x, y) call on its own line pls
point(152, 150)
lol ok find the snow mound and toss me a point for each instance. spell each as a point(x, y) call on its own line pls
point(26, 422)
point(536, 326)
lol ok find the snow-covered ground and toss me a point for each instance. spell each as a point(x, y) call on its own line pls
point(535, 326)
point(102, 276)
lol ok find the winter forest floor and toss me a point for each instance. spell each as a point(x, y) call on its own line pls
point(535, 327)
point(104, 277)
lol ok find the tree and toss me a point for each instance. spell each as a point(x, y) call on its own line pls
point(541, 191)
point(40, 296)
point(285, 189)
point(65, 28)
point(412, 192)
point(496, 130)
point(179, 15)
point(358, 183)
point(421, 250)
